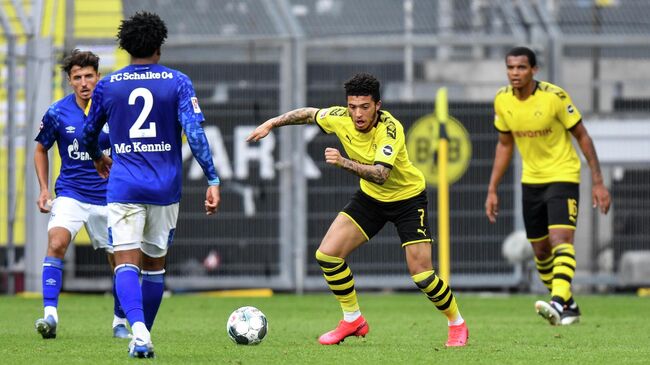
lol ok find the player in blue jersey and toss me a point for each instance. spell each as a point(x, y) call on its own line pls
point(80, 193)
point(146, 106)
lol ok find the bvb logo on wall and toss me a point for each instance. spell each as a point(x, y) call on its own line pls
point(422, 146)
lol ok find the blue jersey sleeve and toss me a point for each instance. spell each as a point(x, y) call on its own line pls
point(190, 116)
point(47, 133)
point(201, 150)
point(94, 122)
point(188, 104)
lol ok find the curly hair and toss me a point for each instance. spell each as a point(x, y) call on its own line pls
point(81, 59)
point(523, 51)
point(363, 84)
point(142, 34)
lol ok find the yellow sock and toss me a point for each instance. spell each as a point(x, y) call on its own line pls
point(545, 271)
point(564, 268)
point(438, 292)
point(340, 280)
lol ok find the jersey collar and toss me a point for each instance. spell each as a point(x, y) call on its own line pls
point(537, 87)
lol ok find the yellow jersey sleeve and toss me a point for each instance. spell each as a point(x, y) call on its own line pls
point(567, 113)
point(325, 117)
point(499, 120)
point(391, 140)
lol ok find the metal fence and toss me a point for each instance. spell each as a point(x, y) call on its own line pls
point(251, 60)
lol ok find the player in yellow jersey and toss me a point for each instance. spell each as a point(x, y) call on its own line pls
point(391, 190)
point(540, 118)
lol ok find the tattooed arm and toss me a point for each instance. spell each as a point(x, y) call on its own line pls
point(294, 117)
point(377, 174)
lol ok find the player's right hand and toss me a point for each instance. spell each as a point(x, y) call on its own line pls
point(261, 131)
point(492, 207)
point(44, 201)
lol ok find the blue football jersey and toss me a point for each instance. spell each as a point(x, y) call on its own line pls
point(146, 108)
point(63, 123)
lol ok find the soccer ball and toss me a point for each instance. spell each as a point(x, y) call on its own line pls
point(247, 326)
point(516, 248)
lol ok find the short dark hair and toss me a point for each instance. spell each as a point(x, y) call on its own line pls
point(523, 51)
point(363, 84)
point(81, 59)
point(142, 34)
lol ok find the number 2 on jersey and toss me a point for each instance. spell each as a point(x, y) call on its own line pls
point(135, 131)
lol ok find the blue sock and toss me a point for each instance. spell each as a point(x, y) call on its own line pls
point(153, 287)
point(127, 286)
point(117, 308)
point(52, 280)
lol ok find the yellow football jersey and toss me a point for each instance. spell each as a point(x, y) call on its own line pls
point(540, 127)
point(383, 144)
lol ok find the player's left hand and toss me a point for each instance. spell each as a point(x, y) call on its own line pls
point(601, 198)
point(212, 199)
point(333, 156)
point(103, 166)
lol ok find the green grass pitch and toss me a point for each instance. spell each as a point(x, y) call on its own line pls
point(404, 329)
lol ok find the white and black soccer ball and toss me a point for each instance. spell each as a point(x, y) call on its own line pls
point(516, 248)
point(247, 326)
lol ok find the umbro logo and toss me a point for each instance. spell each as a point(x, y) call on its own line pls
point(69, 129)
point(50, 282)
